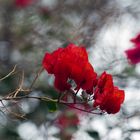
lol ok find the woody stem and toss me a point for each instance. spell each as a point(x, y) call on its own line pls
point(75, 96)
point(36, 77)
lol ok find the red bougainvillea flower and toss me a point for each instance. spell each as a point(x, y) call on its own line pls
point(70, 63)
point(69, 118)
point(23, 3)
point(136, 40)
point(107, 97)
point(68, 123)
point(133, 54)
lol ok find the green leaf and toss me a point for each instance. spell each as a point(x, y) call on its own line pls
point(94, 134)
point(52, 106)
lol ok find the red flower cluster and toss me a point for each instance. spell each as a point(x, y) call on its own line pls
point(70, 63)
point(23, 3)
point(108, 97)
point(134, 54)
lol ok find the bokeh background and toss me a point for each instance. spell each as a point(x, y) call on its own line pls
point(105, 27)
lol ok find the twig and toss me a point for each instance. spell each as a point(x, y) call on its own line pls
point(20, 84)
point(75, 95)
point(9, 74)
point(100, 113)
point(13, 113)
point(36, 77)
point(45, 98)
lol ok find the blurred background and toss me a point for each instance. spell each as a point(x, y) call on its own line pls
point(29, 28)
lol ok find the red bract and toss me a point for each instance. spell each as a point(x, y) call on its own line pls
point(23, 3)
point(107, 97)
point(133, 55)
point(68, 119)
point(70, 63)
point(136, 40)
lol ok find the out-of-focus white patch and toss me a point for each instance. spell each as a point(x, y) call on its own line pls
point(29, 131)
point(52, 130)
point(53, 138)
point(115, 134)
point(49, 3)
point(137, 69)
point(135, 136)
point(125, 3)
point(100, 126)
point(132, 99)
point(132, 94)
point(82, 135)
point(134, 123)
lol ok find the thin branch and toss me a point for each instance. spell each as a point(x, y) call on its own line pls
point(20, 84)
point(9, 74)
point(13, 113)
point(36, 77)
point(100, 113)
point(45, 98)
